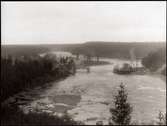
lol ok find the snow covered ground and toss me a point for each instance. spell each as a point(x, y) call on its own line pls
point(87, 97)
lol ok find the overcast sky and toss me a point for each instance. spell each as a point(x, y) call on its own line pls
point(77, 22)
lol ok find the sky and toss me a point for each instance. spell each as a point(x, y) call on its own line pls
point(79, 22)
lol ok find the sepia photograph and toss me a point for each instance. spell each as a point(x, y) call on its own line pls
point(83, 63)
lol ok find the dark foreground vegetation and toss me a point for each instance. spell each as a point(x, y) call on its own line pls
point(14, 116)
point(28, 72)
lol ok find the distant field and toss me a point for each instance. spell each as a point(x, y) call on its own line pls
point(101, 49)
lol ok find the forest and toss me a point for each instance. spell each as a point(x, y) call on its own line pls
point(155, 60)
point(27, 72)
point(92, 48)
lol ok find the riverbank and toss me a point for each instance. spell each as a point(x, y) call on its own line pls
point(87, 97)
point(14, 116)
point(20, 110)
point(29, 94)
point(24, 81)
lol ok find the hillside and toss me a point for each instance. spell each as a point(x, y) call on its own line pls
point(110, 49)
point(20, 50)
point(101, 49)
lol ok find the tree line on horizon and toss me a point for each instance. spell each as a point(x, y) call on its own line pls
point(100, 49)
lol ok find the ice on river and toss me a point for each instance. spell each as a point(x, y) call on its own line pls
point(147, 94)
point(87, 97)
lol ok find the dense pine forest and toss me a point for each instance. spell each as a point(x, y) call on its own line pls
point(27, 72)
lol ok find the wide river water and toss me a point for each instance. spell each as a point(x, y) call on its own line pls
point(88, 97)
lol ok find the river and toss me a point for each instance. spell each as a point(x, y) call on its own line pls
point(87, 97)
